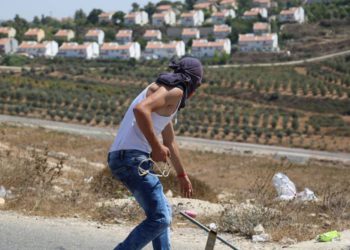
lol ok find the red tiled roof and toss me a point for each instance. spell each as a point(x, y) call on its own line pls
point(289, 11)
point(222, 28)
point(124, 33)
point(253, 38)
point(190, 32)
point(261, 26)
point(94, 32)
point(63, 32)
point(4, 41)
point(262, 1)
point(228, 2)
point(164, 7)
point(188, 14)
point(33, 45)
point(206, 43)
point(106, 14)
point(5, 30)
point(252, 12)
point(115, 46)
point(152, 33)
point(222, 13)
point(74, 46)
point(33, 32)
point(200, 6)
point(161, 45)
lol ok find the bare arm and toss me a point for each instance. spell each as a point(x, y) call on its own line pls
point(143, 111)
point(170, 142)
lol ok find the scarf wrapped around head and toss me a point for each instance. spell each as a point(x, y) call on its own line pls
point(187, 75)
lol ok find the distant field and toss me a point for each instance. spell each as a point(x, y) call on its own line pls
point(304, 106)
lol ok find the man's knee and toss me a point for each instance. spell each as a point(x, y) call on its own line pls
point(161, 220)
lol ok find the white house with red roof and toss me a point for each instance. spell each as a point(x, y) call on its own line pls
point(32, 48)
point(34, 34)
point(124, 36)
point(120, 51)
point(7, 32)
point(228, 4)
point(164, 18)
point(190, 33)
point(64, 35)
point(136, 18)
point(254, 13)
point(87, 50)
point(205, 48)
point(292, 15)
point(260, 28)
point(221, 31)
point(192, 18)
point(152, 35)
point(157, 50)
point(220, 17)
point(265, 42)
point(105, 17)
point(8, 46)
point(95, 35)
point(262, 3)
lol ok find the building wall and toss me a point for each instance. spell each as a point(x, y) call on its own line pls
point(166, 52)
point(269, 46)
point(123, 40)
point(133, 52)
point(10, 47)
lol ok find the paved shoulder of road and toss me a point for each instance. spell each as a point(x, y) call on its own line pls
point(297, 155)
point(22, 232)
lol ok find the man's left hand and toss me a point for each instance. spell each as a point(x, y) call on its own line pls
point(186, 186)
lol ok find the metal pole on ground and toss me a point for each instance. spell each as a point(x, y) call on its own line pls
point(197, 223)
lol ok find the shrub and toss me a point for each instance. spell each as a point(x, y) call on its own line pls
point(244, 217)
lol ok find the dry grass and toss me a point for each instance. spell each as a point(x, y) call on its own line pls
point(52, 186)
point(297, 220)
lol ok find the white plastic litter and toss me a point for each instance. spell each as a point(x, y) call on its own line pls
point(213, 226)
point(285, 188)
point(261, 238)
point(306, 195)
point(2, 192)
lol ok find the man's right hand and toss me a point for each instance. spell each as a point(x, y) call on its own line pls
point(160, 154)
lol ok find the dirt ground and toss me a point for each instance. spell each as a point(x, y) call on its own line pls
point(227, 179)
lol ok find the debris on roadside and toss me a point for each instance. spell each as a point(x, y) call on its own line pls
point(286, 190)
point(261, 238)
point(329, 236)
point(260, 235)
point(3, 192)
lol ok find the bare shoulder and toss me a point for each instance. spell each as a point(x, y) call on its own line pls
point(170, 92)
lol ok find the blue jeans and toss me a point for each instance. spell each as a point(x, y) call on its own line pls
point(148, 192)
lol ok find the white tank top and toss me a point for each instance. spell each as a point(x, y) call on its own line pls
point(129, 135)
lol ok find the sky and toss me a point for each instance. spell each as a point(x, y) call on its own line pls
point(61, 8)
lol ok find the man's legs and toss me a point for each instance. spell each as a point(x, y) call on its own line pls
point(163, 240)
point(148, 192)
point(155, 227)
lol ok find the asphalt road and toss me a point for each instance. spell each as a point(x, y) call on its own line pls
point(294, 154)
point(20, 232)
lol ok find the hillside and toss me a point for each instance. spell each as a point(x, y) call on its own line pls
point(305, 106)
